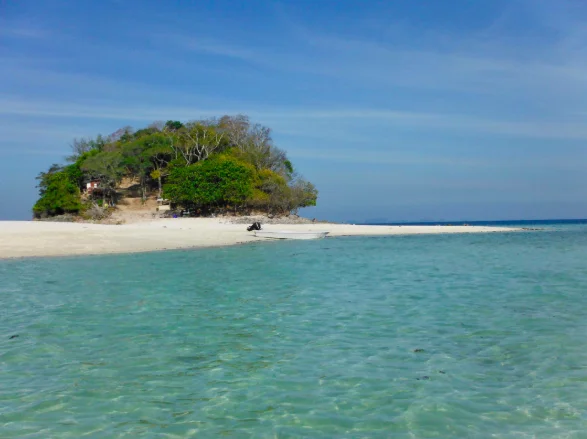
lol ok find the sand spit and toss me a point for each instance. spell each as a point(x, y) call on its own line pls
point(33, 238)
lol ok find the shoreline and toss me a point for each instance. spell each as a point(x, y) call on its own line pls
point(24, 239)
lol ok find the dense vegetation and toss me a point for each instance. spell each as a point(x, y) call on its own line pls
point(210, 166)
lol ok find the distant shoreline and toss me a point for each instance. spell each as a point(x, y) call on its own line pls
point(475, 223)
point(21, 239)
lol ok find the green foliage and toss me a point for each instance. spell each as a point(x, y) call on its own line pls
point(173, 125)
point(279, 195)
point(220, 181)
point(59, 194)
point(271, 183)
point(304, 194)
point(145, 132)
point(136, 158)
point(288, 166)
point(84, 156)
point(196, 141)
point(210, 164)
point(75, 174)
point(282, 197)
point(108, 168)
point(158, 146)
point(259, 199)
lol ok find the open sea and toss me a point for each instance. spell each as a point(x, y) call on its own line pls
point(438, 336)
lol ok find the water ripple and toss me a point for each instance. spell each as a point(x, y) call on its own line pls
point(404, 337)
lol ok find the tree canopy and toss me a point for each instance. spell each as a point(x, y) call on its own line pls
point(59, 191)
point(223, 164)
point(221, 181)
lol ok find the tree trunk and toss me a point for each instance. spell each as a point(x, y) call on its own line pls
point(159, 181)
point(143, 190)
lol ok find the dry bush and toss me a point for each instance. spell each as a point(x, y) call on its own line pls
point(96, 213)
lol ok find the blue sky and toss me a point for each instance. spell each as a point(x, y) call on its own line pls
point(397, 110)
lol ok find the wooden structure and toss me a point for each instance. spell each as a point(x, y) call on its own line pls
point(91, 186)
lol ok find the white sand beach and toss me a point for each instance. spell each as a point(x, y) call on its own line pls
point(32, 238)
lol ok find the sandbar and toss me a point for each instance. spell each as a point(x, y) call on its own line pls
point(41, 238)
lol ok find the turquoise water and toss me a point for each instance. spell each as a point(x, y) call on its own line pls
point(476, 336)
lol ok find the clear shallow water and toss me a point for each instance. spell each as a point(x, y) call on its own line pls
point(302, 339)
point(514, 223)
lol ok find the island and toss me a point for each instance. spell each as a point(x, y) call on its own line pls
point(206, 167)
point(174, 185)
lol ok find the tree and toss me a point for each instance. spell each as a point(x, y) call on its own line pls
point(213, 184)
point(254, 144)
point(107, 167)
point(281, 197)
point(123, 134)
point(158, 125)
point(304, 194)
point(137, 161)
point(58, 193)
point(44, 177)
point(145, 132)
point(196, 141)
point(209, 163)
point(83, 146)
point(236, 129)
point(276, 189)
point(160, 153)
point(173, 125)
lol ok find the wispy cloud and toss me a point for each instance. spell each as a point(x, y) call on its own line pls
point(495, 65)
point(207, 46)
point(396, 158)
point(21, 30)
point(7, 152)
point(486, 68)
point(435, 101)
point(474, 69)
point(22, 131)
point(110, 111)
point(406, 159)
point(291, 117)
